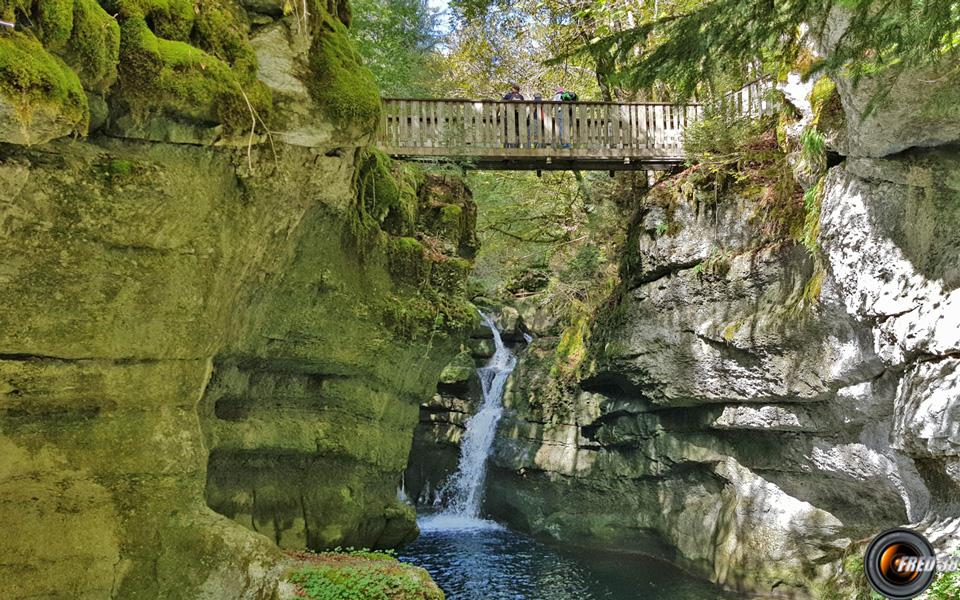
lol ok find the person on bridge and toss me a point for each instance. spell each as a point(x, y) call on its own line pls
point(514, 95)
point(563, 95)
point(536, 121)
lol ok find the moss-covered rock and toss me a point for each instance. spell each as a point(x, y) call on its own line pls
point(54, 20)
point(339, 83)
point(171, 19)
point(218, 323)
point(175, 80)
point(41, 98)
point(185, 71)
point(459, 370)
point(93, 50)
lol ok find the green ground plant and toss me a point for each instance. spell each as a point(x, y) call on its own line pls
point(361, 575)
point(946, 586)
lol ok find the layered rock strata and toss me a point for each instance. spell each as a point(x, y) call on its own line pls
point(192, 333)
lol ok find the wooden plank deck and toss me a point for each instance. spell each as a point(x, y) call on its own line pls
point(496, 134)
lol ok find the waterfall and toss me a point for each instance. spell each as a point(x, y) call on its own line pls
point(464, 492)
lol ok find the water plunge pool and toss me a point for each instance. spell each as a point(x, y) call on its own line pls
point(471, 559)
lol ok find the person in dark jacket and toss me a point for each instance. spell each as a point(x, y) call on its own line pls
point(514, 93)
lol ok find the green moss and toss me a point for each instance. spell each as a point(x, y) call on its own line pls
point(118, 168)
point(11, 9)
point(822, 90)
point(222, 32)
point(572, 349)
point(402, 216)
point(378, 190)
point(449, 276)
point(449, 221)
point(850, 584)
point(170, 19)
point(460, 368)
point(159, 75)
point(730, 331)
point(32, 79)
point(408, 261)
point(340, 83)
point(54, 20)
point(429, 314)
point(94, 47)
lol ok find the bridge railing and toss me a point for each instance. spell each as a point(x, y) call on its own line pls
point(597, 130)
point(412, 126)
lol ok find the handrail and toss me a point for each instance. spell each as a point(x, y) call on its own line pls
point(542, 101)
point(540, 129)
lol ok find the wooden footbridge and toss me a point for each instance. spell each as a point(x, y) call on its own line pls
point(545, 135)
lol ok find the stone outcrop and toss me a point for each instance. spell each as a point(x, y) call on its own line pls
point(753, 408)
point(207, 352)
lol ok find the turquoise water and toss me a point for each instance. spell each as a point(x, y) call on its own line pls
point(482, 561)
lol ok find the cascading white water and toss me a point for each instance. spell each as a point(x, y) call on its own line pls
point(464, 492)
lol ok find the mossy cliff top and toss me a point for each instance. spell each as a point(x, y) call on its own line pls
point(175, 70)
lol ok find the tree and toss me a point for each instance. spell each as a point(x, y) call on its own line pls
point(494, 44)
point(398, 41)
point(718, 42)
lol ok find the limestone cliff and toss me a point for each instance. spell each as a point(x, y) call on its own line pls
point(193, 332)
point(774, 380)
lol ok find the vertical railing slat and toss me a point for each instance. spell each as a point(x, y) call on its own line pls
point(625, 124)
point(549, 125)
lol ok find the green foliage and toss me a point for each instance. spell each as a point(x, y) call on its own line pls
point(525, 223)
point(362, 575)
point(812, 202)
point(945, 587)
point(498, 42)
point(585, 264)
point(814, 148)
point(398, 42)
point(724, 139)
point(712, 41)
point(339, 82)
point(32, 79)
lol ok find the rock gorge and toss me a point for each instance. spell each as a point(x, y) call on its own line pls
point(218, 301)
point(754, 408)
point(223, 312)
